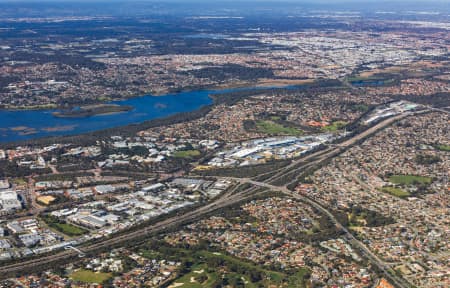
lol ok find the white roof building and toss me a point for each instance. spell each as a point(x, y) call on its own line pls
point(9, 200)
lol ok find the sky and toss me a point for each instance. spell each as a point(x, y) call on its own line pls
point(400, 4)
point(255, 1)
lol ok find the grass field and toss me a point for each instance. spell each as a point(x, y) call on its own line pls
point(445, 148)
point(87, 276)
point(337, 125)
point(20, 181)
point(275, 118)
point(203, 275)
point(186, 154)
point(409, 179)
point(272, 128)
point(69, 229)
point(189, 280)
point(298, 280)
point(396, 192)
point(275, 277)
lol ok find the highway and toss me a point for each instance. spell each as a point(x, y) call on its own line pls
point(355, 243)
point(229, 198)
point(321, 156)
point(316, 159)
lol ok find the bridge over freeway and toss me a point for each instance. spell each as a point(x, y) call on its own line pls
point(227, 199)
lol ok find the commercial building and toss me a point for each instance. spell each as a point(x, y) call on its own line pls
point(9, 201)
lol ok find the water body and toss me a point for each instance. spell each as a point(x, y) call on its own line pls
point(216, 36)
point(364, 83)
point(24, 124)
point(32, 124)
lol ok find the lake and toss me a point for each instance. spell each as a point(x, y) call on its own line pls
point(31, 124)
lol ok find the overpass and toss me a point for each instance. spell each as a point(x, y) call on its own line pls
point(227, 199)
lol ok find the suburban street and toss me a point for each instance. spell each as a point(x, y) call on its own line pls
point(230, 198)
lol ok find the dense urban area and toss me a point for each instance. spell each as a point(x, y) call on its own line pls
point(323, 160)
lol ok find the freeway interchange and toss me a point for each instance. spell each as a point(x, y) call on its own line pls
point(260, 184)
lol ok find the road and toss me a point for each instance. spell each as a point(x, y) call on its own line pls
point(227, 199)
point(355, 243)
point(318, 157)
point(441, 110)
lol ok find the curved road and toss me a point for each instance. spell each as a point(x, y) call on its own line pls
point(355, 243)
point(228, 199)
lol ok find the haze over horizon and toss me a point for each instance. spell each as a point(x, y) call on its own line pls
point(235, 1)
point(224, 144)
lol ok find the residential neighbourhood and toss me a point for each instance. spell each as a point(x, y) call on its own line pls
point(225, 144)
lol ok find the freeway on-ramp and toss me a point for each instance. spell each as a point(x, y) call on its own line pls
point(227, 199)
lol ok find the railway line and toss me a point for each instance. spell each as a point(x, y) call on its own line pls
point(230, 198)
